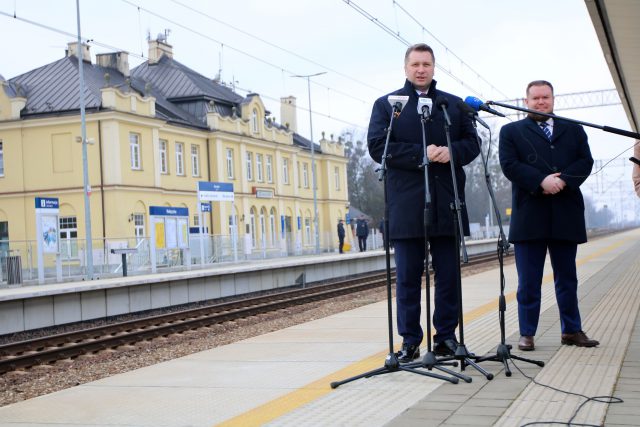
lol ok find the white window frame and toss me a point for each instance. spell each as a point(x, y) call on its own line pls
point(195, 160)
point(336, 175)
point(230, 163)
point(263, 228)
point(249, 163)
point(180, 158)
point(305, 175)
point(269, 166)
point(272, 225)
point(138, 223)
point(164, 159)
point(285, 171)
point(259, 167)
point(252, 227)
point(134, 151)
point(307, 230)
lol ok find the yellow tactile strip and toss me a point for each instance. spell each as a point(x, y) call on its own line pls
point(484, 337)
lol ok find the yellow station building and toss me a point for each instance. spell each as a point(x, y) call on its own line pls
point(153, 133)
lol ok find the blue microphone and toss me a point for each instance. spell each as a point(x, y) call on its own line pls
point(478, 105)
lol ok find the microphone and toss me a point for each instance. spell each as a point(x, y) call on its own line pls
point(424, 106)
point(443, 103)
point(398, 102)
point(634, 160)
point(467, 109)
point(477, 105)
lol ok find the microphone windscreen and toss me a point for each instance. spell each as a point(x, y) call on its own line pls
point(441, 101)
point(465, 108)
point(473, 102)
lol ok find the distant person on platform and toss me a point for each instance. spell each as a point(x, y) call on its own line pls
point(635, 175)
point(341, 236)
point(362, 231)
point(546, 161)
point(406, 194)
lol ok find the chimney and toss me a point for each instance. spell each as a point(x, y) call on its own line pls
point(72, 49)
point(159, 47)
point(288, 112)
point(116, 60)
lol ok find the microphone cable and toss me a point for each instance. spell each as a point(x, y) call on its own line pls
point(598, 399)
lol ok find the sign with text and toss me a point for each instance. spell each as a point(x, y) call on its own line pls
point(215, 191)
point(47, 203)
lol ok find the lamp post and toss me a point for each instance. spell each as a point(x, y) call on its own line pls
point(85, 173)
point(313, 161)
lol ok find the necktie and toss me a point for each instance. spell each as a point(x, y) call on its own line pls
point(545, 129)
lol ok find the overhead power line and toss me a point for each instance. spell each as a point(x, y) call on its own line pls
point(397, 36)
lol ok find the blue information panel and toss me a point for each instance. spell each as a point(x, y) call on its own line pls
point(205, 207)
point(168, 211)
point(47, 203)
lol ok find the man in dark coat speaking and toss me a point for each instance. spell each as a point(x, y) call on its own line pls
point(406, 197)
point(546, 160)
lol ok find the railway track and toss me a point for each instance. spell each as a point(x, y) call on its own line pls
point(49, 349)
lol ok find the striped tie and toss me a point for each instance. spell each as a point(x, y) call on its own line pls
point(545, 129)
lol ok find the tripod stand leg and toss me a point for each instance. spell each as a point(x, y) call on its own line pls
point(452, 380)
point(375, 372)
point(430, 362)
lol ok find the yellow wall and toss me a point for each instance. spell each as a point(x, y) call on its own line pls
point(43, 159)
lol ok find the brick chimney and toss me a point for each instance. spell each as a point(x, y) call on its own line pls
point(72, 50)
point(116, 60)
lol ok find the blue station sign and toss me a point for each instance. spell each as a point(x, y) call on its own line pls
point(47, 203)
point(168, 211)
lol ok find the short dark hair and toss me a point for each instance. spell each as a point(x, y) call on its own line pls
point(419, 47)
point(539, 83)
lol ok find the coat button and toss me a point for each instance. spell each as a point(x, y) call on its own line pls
point(553, 146)
point(555, 169)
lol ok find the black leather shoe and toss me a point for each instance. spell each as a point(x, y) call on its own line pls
point(408, 353)
point(446, 347)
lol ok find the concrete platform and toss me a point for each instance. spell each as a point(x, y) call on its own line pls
point(282, 378)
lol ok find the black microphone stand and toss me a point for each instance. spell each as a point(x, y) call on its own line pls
point(503, 351)
point(461, 352)
point(391, 362)
point(429, 360)
point(609, 129)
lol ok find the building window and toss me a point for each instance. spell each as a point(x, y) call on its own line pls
point(336, 176)
point(68, 237)
point(195, 160)
point(259, 167)
point(179, 158)
point(269, 168)
point(254, 121)
point(138, 222)
point(263, 228)
point(252, 222)
point(272, 226)
point(249, 166)
point(164, 160)
point(285, 171)
point(230, 163)
point(134, 151)
point(305, 175)
point(1, 160)
point(307, 230)
point(299, 169)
